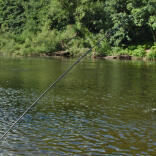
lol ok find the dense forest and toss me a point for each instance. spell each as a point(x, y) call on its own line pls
point(36, 27)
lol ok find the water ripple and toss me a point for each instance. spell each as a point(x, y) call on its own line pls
point(103, 114)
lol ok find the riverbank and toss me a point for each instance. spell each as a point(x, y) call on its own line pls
point(137, 53)
point(64, 54)
point(48, 27)
point(15, 45)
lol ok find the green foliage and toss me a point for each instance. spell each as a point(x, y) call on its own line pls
point(34, 27)
point(140, 52)
point(152, 54)
point(12, 16)
point(104, 49)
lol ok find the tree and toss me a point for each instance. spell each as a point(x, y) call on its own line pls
point(12, 15)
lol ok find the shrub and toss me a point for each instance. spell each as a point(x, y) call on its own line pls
point(152, 54)
point(139, 52)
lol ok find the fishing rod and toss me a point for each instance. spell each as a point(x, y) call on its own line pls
point(52, 85)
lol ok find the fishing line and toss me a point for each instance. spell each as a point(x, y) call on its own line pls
point(52, 85)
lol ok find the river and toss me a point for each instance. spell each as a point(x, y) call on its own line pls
point(100, 107)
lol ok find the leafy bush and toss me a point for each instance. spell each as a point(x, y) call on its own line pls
point(45, 26)
point(7, 43)
point(152, 54)
point(104, 48)
point(140, 52)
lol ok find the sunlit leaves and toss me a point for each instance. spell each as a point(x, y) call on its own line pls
point(123, 21)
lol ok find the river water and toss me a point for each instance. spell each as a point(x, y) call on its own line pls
point(100, 108)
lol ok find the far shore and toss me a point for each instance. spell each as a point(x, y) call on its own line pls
point(64, 54)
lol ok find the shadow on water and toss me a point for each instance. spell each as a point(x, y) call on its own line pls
point(101, 107)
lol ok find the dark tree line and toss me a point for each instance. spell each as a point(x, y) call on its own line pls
point(45, 26)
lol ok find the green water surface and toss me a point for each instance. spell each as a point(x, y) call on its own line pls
point(101, 107)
